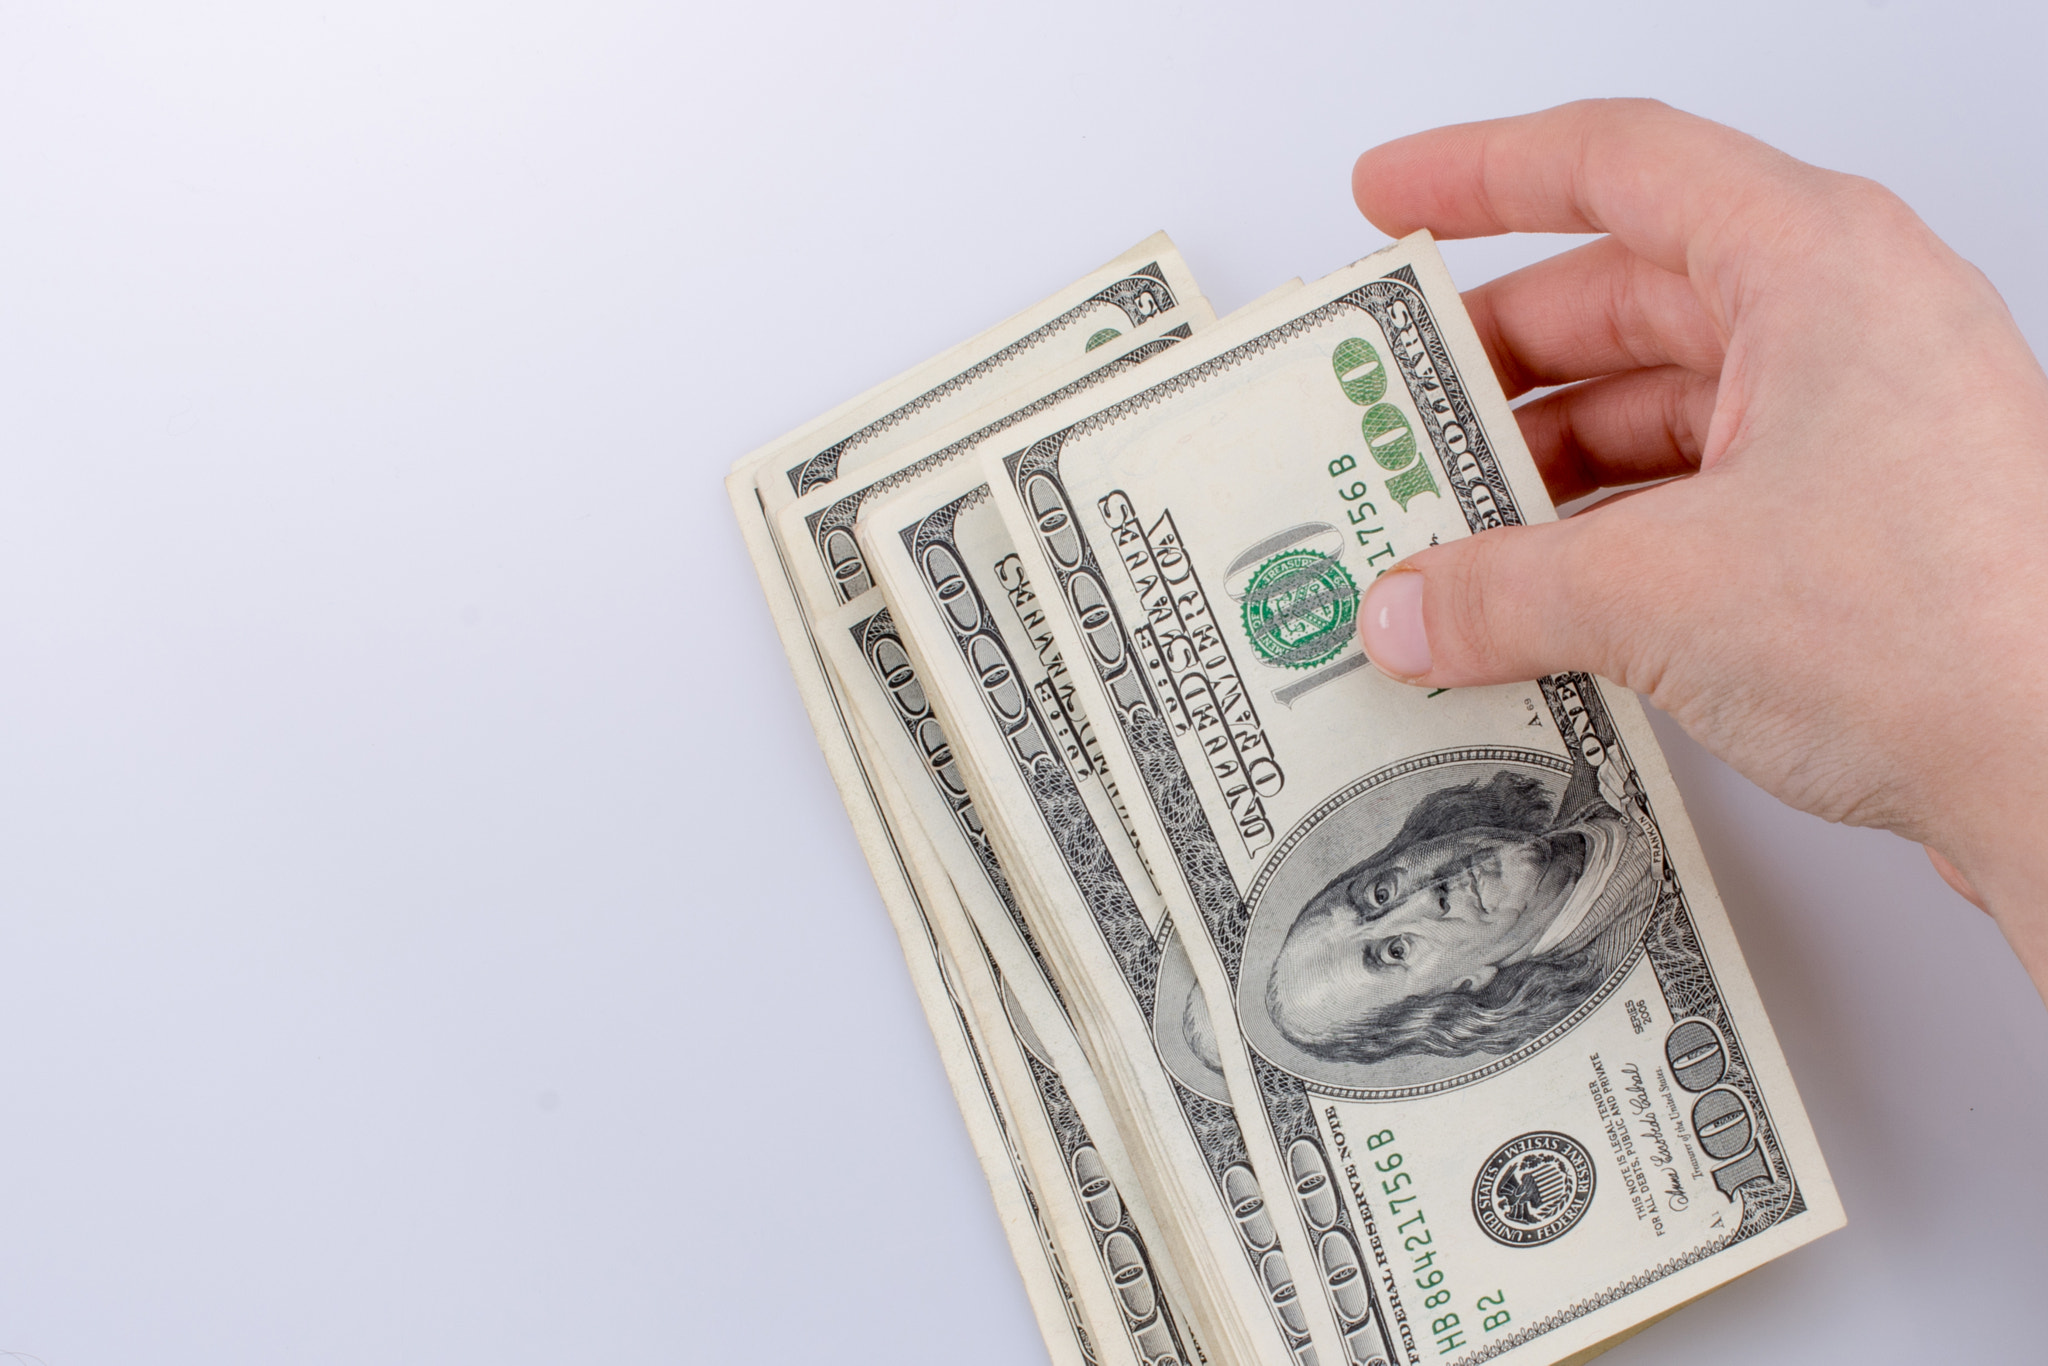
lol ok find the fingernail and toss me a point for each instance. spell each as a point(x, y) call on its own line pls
point(1390, 625)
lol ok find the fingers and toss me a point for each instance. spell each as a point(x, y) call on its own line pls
point(1668, 184)
point(1515, 603)
point(1591, 311)
point(1953, 876)
point(1622, 429)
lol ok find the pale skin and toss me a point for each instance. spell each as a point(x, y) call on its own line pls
point(1841, 588)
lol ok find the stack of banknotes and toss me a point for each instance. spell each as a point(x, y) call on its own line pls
point(1296, 1015)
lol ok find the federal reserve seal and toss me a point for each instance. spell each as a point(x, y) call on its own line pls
point(1533, 1189)
point(1299, 607)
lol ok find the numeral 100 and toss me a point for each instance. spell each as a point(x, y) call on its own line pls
point(1388, 437)
point(1720, 1117)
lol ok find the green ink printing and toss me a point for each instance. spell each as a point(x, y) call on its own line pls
point(1299, 608)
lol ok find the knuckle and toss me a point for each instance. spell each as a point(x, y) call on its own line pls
point(1638, 106)
point(1858, 216)
point(1868, 196)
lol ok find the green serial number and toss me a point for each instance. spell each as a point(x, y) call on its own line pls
point(1448, 1328)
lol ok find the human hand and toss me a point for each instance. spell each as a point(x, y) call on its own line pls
point(1843, 588)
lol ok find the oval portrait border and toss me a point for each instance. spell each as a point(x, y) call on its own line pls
point(1343, 796)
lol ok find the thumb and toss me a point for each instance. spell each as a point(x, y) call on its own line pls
point(1514, 603)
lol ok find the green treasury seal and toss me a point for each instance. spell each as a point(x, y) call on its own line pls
point(1299, 607)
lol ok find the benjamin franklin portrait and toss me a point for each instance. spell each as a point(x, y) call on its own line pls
point(1441, 919)
point(1181, 1027)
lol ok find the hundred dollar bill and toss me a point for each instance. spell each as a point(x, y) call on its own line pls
point(817, 528)
point(1142, 293)
point(1077, 1315)
point(974, 625)
point(1482, 1013)
point(1138, 290)
point(824, 559)
point(826, 564)
point(1147, 287)
point(1090, 1206)
point(829, 569)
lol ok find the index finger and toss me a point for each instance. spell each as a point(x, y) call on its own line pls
point(1673, 187)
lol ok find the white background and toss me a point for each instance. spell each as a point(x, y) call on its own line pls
point(427, 930)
